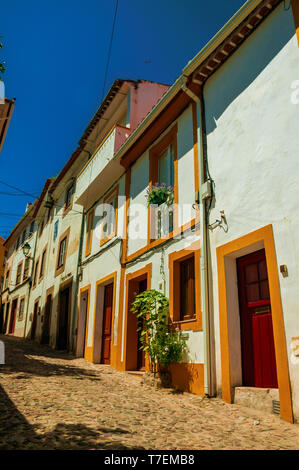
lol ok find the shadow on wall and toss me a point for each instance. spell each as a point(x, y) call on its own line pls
point(247, 63)
point(16, 433)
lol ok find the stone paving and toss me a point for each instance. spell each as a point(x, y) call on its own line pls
point(50, 400)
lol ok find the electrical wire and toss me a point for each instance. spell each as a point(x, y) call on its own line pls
point(109, 50)
point(18, 189)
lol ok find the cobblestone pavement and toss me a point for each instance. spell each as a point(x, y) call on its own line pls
point(50, 400)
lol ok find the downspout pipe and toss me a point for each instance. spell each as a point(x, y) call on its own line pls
point(31, 279)
point(204, 275)
point(76, 290)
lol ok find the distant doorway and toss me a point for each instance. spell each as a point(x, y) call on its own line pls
point(137, 283)
point(47, 320)
point(63, 319)
point(34, 320)
point(6, 318)
point(107, 321)
point(257, 341)
point(82, 323)
point(13, 316)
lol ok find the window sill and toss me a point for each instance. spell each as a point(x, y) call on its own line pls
point(193, 324)
point(59, 270)
point(107, 239)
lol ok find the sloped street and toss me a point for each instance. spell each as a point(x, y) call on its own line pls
point(50, 400)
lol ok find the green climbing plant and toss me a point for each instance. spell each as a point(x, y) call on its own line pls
point(162, 343)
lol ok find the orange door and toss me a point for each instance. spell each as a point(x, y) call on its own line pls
point(107, 319)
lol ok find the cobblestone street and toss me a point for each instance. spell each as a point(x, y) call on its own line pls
point(49, 400)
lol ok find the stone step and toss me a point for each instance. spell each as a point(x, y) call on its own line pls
point(264, 399)
point(136, 373)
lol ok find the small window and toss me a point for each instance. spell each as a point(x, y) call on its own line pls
point(162, 158)
point(187, 289)
point(19, 274)
point(26, 269)
point(69, 195)
point(184, 286)
point(61, 256)
point(32, 227)
point(42, 264)
point(166, 167)
point(21, 309)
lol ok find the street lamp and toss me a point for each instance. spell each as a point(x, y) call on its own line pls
point(26, 249)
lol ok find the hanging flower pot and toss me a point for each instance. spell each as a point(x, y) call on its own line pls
point(159, 194)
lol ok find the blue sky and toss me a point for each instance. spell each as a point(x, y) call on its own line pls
point(55, 53)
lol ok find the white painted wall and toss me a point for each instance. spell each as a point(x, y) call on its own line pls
point(252, 142)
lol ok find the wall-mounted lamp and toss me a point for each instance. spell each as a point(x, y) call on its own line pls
point(26, 249)
point(49, 202)
point(220, 223)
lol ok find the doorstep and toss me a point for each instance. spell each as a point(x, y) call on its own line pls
point(136, 373)
point(264, 399)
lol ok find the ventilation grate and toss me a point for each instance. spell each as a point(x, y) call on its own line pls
point(276, 407)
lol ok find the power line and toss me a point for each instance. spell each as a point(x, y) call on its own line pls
point(18, 189)
point(109, 50)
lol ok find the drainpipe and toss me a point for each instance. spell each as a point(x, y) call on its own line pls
point(31, 279)
point(76, 290)
point(204, 274)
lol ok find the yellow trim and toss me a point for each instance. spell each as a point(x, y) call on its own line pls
point(111, 277)
point(174, 301)
point(140, 273)
point(295, 9)
point(265, 235)
point(86, 350)
point(89, 232)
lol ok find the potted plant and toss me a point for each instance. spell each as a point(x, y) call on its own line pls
point(162, 344)
point(159, 194)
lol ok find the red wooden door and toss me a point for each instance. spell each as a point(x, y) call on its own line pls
point(107, 319)
point(258, 352)
point(142, 286)
point(13, 317)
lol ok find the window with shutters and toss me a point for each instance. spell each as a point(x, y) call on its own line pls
point(61, 255)
point(184, 287)
point(62, 252)
point(19, 273)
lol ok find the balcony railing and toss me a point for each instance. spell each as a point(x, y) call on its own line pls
point(104, 153)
